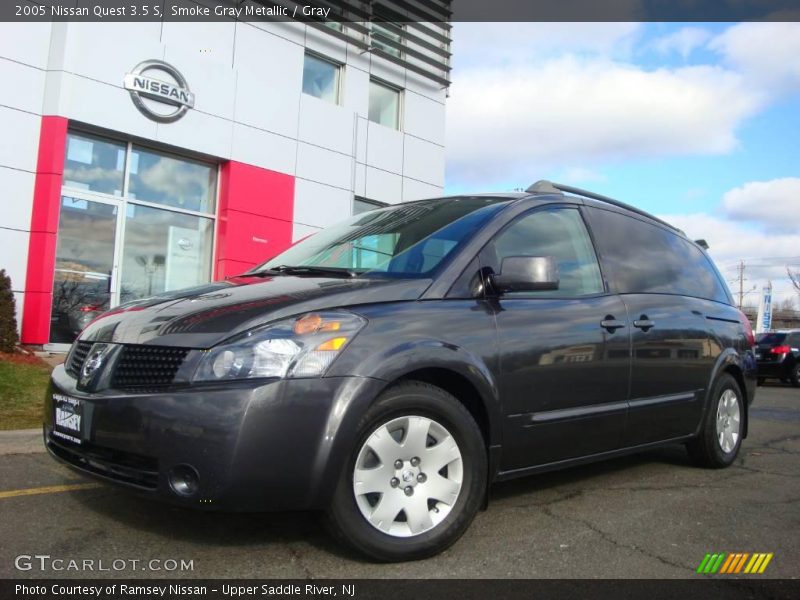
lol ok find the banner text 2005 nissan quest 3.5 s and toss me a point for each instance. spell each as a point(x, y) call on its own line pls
point(388, 369)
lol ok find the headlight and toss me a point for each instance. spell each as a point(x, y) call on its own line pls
point(302, 346)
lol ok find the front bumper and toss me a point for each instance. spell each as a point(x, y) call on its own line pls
point(255, 446)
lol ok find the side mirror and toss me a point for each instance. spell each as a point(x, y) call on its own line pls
point(526, 274)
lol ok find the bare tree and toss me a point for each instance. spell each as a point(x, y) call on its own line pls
point(794, 277)
point(786, 305)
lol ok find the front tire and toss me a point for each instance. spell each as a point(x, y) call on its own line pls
point(416, 477)
point(721, 436)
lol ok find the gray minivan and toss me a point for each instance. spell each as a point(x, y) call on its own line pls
point(388, 369)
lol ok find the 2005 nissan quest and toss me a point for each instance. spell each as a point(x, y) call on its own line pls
point(388, 369)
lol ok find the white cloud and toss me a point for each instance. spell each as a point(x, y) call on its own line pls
point(582, 175)
point(515, 43)
point(775, 204)
point(759, 224)
point(683, 41)
point(766, 255)
point(767, 54)
point(510, 124)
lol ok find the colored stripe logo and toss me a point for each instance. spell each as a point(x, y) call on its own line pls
point(735, 562)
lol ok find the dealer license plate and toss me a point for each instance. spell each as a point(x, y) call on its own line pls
point(68, 417)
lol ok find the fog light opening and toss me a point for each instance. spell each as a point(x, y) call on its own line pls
point(184, 480)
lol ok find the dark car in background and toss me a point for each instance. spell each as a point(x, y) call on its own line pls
point(389, 369)
point(778, 356)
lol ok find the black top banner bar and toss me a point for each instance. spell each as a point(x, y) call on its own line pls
point(343, 11)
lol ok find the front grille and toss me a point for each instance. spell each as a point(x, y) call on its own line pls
point(125, 467)
point(77, 358)
point(147, 367)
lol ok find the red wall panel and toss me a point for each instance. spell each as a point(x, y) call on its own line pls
point(250, 189)
point(44, 226)
point(256, 207)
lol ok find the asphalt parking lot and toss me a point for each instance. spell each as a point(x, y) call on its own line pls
point(651, 515)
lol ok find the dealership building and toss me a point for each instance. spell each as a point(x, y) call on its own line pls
point(139, 158)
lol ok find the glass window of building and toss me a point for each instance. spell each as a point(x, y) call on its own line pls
point(134, 222)
point(386, 32)
point(82, 285)
point(94, 164)
point(163, 251)
point(163, 179)
point(362, 205)
point(384, 104)
point(321, 78)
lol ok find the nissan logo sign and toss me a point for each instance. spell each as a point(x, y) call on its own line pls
point(159, 91)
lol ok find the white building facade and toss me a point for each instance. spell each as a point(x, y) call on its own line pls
point(138, 158)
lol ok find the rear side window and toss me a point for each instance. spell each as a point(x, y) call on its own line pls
point(639, 257)
point(559, 233)
point(772, 339)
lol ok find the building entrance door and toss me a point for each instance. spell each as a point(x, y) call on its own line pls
point(83, 282)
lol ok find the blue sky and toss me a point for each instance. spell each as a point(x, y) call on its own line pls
point(696, 122)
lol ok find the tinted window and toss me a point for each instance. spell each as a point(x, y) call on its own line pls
point(639, 257)
point(559, 233)
point(771, 339)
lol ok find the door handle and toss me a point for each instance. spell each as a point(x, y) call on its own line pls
point(611, 324)
point(644, 323)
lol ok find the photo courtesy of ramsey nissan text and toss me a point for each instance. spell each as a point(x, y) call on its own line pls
point(369, 298)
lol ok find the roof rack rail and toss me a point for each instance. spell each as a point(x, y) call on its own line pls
point(548, 187)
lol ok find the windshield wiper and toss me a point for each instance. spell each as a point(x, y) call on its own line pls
point(304, 270)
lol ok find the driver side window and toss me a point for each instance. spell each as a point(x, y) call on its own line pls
point(557, 232)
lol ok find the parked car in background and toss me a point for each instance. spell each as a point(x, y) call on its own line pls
point(778, 356)
point(388, 369)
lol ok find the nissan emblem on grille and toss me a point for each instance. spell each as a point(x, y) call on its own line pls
point(93, 363)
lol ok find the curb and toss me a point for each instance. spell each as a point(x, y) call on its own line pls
point(21, 441)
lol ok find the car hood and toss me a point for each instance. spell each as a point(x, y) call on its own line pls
point(202, 317)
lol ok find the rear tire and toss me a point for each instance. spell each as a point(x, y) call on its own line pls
point(721, 435)
point(795, 379)
point(398, 497)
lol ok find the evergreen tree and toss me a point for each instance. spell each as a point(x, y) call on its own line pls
point(8, 319)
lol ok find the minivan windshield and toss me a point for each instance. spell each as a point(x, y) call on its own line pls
point(406, 240)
